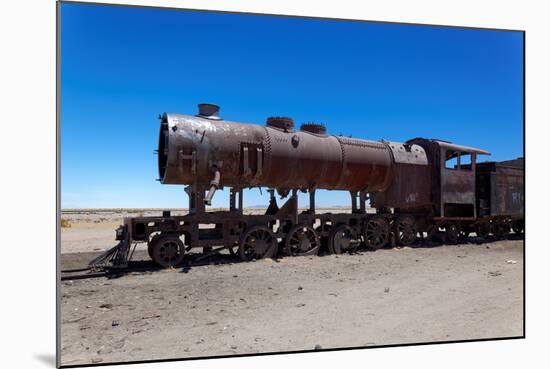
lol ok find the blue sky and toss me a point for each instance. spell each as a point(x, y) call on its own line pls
point(122, 66)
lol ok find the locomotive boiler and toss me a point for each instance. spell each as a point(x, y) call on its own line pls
point(421, 189)
point(205, 150)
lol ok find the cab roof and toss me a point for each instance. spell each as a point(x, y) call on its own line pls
point(452, 146)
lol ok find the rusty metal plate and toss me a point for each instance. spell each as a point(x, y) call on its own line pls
point(407, 154)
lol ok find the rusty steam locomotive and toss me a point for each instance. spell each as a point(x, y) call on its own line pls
point(421, 188)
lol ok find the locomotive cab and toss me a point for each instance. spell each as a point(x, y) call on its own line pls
point(458, 180)
point(453, 177)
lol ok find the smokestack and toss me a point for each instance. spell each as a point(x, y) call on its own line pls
point(209, 111)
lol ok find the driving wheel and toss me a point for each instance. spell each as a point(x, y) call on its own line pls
point(377, 233)
point(342, 239)
point(405, 230)
point(257, 242)
point(302, 240)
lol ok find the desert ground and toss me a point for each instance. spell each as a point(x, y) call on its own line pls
point(225, 307)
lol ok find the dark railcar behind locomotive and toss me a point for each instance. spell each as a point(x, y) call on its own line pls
point(500, 188)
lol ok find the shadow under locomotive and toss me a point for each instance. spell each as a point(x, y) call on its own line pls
point(197, 260)
point(420, 193)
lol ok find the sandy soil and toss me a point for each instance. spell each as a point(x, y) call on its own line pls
point(373, 298)
point(94, 230)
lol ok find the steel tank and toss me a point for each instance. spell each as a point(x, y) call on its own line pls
point(204, 149)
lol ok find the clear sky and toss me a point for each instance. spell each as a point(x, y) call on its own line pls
point(121, 67)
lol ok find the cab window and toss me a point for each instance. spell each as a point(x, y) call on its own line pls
point(465, 161)
point(456, 160)
point(451, 159)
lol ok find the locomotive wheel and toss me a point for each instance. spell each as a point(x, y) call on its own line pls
point(167, 250)
point(377, 233)
point(405, 230)
point(507, 228)
point(301, 241)
point(151, 244)
point(451, 234)
point(502, 229)
point(341, 239)
point(483, 230)
point(518, 227)
point(432, 233)
point(257, 242)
